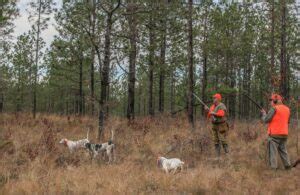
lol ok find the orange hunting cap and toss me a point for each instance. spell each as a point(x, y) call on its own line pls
point(275, 96)
point(218, 96)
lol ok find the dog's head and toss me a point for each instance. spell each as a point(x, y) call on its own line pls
point(63, 141)
point(88, 145)
point(159, 161)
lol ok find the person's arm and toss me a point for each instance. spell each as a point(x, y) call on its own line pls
point(266, 118)
point(221, 110)
point(210, 110)
point(219, 113)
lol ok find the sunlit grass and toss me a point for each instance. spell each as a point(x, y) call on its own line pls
point(39, 164)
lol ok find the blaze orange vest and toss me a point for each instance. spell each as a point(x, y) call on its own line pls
point(214, 108)
point(279, 124)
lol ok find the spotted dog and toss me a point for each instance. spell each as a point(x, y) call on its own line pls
point(107, 147)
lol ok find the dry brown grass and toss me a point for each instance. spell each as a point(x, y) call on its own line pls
point(38, 164)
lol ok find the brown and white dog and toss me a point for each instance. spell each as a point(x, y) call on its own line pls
point(75, 145)
point(172, 164)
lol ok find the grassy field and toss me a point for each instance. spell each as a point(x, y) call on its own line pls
point(32, 160)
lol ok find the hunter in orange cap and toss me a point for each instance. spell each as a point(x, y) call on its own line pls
point(278, 122)
point(218, 96)
point(217, 114)
point(275, 97)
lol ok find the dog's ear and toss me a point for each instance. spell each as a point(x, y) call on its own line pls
point(87, 145)
point(158, 162)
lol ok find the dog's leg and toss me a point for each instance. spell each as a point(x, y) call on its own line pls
point(70, 149)
point(95, 154)
point(167, 171)
point(174, 171)
point(91, 155)
point(103, 155)
point(181, 168)
point(109, 154)
point(114, 154)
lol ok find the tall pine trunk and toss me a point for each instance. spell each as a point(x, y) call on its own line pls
point(80, 98)
point(204, 70)
point(105, 69)
point(284, 69)
point(139, 100)
point(172, 92)
point(162, 69)
point(272, 45)
point(92, 81)
point(151, 65)
point(105, 76)
point(132, 59)
point(162, 74)
point(1, 102)
point(190, 64)
point(36, 60)
point(92, 66)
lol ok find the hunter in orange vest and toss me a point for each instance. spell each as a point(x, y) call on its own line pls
point(217, 113)
point(278, 122)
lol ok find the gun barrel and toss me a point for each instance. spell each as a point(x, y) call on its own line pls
point(253, 101)
point(200, 100)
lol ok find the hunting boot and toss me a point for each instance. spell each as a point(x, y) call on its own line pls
point(225, 146)
point(218, 150)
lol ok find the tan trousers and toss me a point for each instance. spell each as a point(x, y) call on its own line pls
point(278, 145)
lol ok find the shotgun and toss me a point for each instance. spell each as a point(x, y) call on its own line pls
point(253, 101)
point(206, 107)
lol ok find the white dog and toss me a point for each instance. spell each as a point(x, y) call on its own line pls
point(75, 145)
point(168, 165)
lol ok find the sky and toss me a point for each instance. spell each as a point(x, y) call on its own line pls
point(22, 24)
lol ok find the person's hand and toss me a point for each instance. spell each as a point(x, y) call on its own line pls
point(263, 111)
point(206, 108)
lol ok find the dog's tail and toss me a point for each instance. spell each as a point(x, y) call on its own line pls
point(87, 134)
point(111, 138)
point(112, 135)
